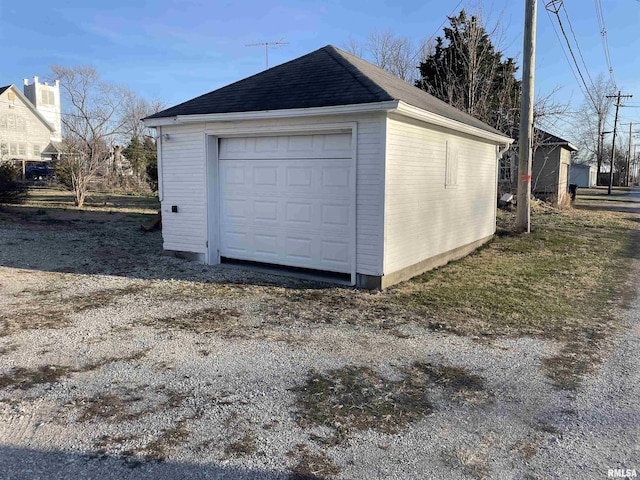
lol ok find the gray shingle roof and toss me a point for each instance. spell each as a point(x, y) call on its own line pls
point(3, 89)
point(323, 78)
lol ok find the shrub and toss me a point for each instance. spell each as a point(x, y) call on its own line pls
point(11, 190)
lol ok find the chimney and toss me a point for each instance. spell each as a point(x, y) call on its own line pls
point(26, 82)
point(35, 79)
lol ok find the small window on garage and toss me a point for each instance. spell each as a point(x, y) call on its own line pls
point(451, 175)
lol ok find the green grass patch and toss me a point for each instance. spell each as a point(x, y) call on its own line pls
point(553, 282)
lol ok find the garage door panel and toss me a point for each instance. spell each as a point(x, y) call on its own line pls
point(283, 200)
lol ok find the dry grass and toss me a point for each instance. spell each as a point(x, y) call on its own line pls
point(128, 404)
point(473, 463)
point(26, 378)
point(50, 199)
point(354, 398)
point(244, 446)
point(312, 466)
point(226, 322)
point(49, 308)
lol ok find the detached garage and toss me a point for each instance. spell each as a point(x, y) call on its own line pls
point(326, 163)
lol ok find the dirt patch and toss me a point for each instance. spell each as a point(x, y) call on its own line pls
point(312, 466)
point(26, 378)
point(43, 309)
point(245, 445)
point(128, 404)
point(224, 321)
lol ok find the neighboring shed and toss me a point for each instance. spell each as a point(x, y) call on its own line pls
point(549, 168)
point(327, 163)
point(582, 175)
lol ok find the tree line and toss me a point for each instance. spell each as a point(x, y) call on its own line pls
point(98, 118)
point(466, 68)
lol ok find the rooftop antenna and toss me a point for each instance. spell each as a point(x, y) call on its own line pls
point(266, 46)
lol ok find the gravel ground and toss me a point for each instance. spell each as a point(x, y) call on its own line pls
point(110, 369)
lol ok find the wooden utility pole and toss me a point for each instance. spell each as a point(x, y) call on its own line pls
point(266, 46)
point(523, 213)
point(628, 172)
point(613, 146)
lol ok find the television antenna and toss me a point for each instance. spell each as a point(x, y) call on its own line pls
point(266, 46)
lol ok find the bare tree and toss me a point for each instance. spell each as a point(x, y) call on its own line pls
point(591, 121)
point(396, 54)
point(93, 120)
point(135, 109)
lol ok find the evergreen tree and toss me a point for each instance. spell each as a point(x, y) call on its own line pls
point(151, 155)
point(466, 71)
point(135, 153)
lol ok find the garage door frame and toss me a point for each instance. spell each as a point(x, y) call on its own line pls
point(211, 145)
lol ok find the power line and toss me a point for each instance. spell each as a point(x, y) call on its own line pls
point(554, 7)
point(576, 42)
point(571, 67)
point(603, 35)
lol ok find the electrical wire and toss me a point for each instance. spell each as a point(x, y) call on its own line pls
point(573, 33)
point(573, 56)
point(585, 91)
point(603, 35)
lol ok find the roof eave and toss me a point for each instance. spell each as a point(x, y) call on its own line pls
point(435, 119)
point(269, 114)
point(567, 145)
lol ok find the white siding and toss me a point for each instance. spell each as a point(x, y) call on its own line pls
point(184, 185)
point(423, 217)
point(184, 180)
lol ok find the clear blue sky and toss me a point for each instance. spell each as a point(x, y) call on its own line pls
point(174, 51)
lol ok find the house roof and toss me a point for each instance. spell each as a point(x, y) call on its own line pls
point(28, 103)
point(323, 78)
point(551, 139)
point(548, 139)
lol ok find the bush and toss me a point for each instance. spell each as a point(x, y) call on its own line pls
point(11, 190)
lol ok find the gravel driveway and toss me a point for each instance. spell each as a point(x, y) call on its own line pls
point(120, 363)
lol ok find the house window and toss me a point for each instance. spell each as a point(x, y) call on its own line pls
point(13, 149)
point(505, 170)
point(451, 170)
point(22, 149)
point(3, 121)
point(47, 97)
point(11, 122)
point(36, 150)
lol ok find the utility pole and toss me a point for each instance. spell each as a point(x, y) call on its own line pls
point(629, 157)
point(266, 46)
point(523, 213)
point(613, 147)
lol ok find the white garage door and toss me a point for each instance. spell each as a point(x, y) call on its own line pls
point(288, 200)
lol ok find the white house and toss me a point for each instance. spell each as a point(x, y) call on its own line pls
point(583, 175)
point(327, 163)
point(25, 134)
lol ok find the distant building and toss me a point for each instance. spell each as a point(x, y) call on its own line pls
point(30, 123)
point(549, 168)
point(46, 98)
point(583, 175)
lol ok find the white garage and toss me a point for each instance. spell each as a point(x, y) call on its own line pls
point(288, 200)
point(329, 164)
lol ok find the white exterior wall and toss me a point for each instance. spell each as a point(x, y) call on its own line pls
point(19, 126)
point(183, 180)
point(422, 217)
point(50, 111)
